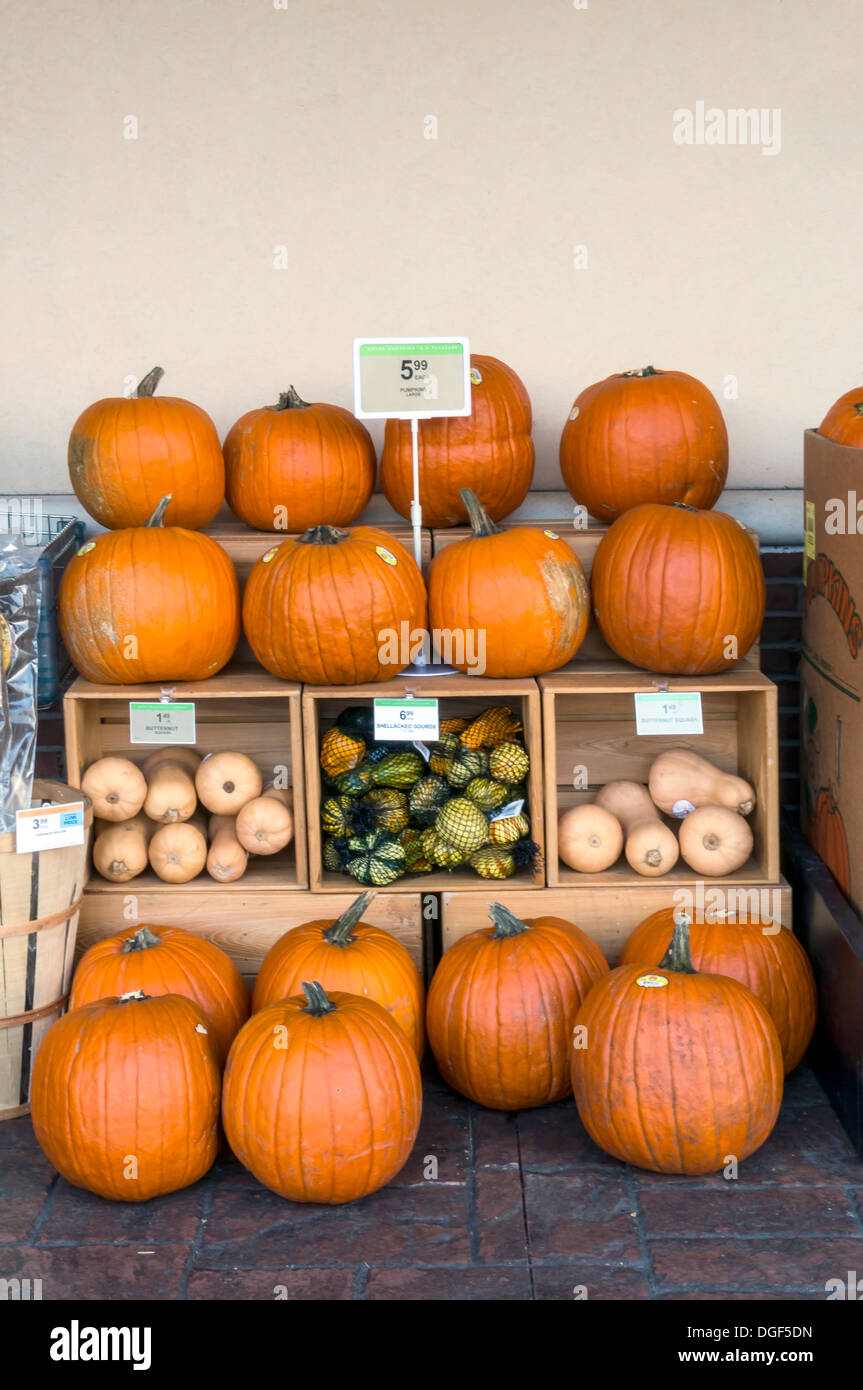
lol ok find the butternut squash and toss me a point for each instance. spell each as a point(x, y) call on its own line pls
point(120, 853)
point(217, 823)
point(171, 795)
point(283, 794)
point(140, 823)
point(681, 781)
point(264, 825)
point(116, 787)
point(227, 859)
point(178, 852)
point(186, 757)
point(589, 838)
point(650, 847)
point(226, 781)
point(715, 841)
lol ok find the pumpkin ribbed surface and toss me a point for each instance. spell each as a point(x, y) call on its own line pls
point(843, 422)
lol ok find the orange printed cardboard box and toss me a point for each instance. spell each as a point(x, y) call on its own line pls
point(832, 666)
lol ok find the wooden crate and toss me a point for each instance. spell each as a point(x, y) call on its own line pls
point(589, 723)
point(610, 915)
point(243, 709)
point(245, 923)
point(584, 543)
point(459, 696)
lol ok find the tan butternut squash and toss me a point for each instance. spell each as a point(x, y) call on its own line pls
point(217, 823)
point(681, 781)
point(226, 859)
point(264, 825)
point(226, 781)
point(140, 823)
point(283, 794)
point(120, 853)
point(178, 852)
point(715, 841)
point(650, 847)
point(186, 757)
point(116, 787)
point(171, 795)
point(589, 838)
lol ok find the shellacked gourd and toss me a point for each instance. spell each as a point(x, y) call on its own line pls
point(116, 787)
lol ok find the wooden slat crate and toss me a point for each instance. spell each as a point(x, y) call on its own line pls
point(610, 915)
point(245, 923)
point(459, 696)
point(243, 709)
point(589, 724)
point(584, 543)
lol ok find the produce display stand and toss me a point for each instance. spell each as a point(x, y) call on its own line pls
point(590, 736)
point(458, 695)
point(243, 709)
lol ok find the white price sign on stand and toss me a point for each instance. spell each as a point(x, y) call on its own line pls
point(49, 827)
point(659, 712)
point(161, 721)
point(411, 378)
point(407, 720)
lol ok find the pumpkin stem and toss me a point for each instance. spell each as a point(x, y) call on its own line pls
point(158, 517)
point(505, 922)
point(481, 522)
point(642, 371)
point(135, 994)
point(323, 535)
point(289, 400)
point(318, 1004)
point(745, 808)
point(147, 385)
point(339, 934)
point(678, 957)
point(684, 506)
point(141, 941)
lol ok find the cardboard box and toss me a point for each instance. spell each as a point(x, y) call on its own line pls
point(831, 676)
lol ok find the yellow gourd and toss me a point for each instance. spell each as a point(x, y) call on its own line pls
point(178, 852)
point(226, 781)
point(650, 847)
point(681, 781)
point(715, 841)
point(120, 853)
point(264, 825)
point(589, 838)
point(116, 787)
point(171, 795)
point(226, 859)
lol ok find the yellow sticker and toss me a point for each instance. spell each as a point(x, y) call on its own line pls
point(475, 375)
point(651, 981)
point(5, 642)
point(552, 535)
point(574, 413)
point(265, 559)
point(91, 545)
point(386, 556)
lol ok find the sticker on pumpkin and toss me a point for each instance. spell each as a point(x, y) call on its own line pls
point(552, 535)
point(475, 375)
point(651, 981)
point(574, 413)
point(386, 555)
point(91, 545)
point(265, 559)
point(682, 808)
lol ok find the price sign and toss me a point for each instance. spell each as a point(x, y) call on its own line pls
point(161, 721)
point(658, 712)
point(49, 827)
point(400, 378)
point(407, 720)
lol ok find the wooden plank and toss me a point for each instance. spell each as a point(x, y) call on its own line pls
point(245, 546)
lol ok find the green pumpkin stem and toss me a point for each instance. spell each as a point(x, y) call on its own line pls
point(505, 922)
point(289, 400)
point(141, 941)
point(480, 521)
point(678, 957)
point(858, 406)
point(339, 934)
point(642, 371)
point(318, 1004)
point(323, 535)
point(147, 385)
point(158, 517)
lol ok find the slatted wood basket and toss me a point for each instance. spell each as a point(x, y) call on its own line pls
point(40, 896)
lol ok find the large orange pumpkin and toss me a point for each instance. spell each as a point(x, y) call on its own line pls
point(502, 1004)
point(489, 451)
point(826, 834)
point(644, 436)
point(125, 1096)
point(843, 422)
point(126, 453)
point(292, 466)
point(150, 603)
point(352, 956)
point(322, 1096)
point(327, 608)
point(673, 586)
point(771, 963)
point(676, 1071)
point(519, 597)
point(166, 960)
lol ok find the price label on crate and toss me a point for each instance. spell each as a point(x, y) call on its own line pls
point(161, 721)
point(408, 720)
point(658, 712)
point(49, 827)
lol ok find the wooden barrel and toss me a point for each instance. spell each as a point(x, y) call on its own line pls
point(40, 896)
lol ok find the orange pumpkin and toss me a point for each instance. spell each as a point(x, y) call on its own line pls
point(502, 1004)
point(826, 834)
point(644, 436)
point(166, 960)
point(327, 608)
point(771, 963)
point(843, 422)
point(292, 466)
point(519, 596)
point(673, 586)
point(150, 603)
point(125, 1096)
point(489, 451)
point(348, 955)
point(676, 1071)
point(126, 453)
point(322, 1097)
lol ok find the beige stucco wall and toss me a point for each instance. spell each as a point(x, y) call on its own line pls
point(304, 126)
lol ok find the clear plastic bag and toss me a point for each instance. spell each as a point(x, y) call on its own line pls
point(20, 586)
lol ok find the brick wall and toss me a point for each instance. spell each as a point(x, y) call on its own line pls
point(780, 660)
